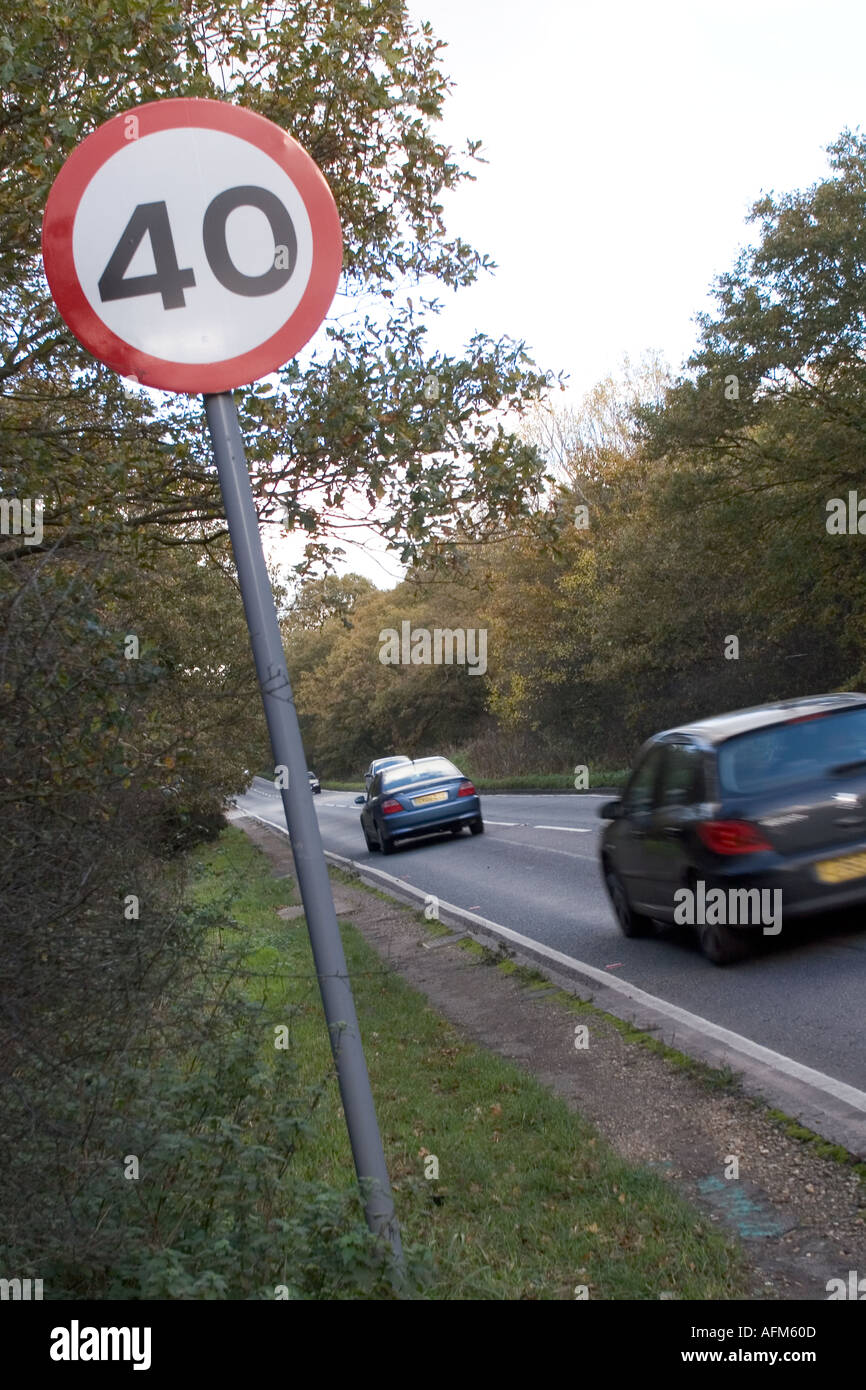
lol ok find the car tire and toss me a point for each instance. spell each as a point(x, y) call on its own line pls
point(386, 844)
point(477, 826)
point(723, 945)
point(371, 844)
point(631, 923)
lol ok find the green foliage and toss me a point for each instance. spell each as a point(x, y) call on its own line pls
point(352, 706)
point(362, 89)
point(707, 501)
point(185, 1081)
point(113, 760)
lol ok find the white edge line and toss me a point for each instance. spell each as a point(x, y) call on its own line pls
point(840, 1090)
point(571, 829)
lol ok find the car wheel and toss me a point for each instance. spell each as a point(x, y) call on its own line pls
point(371, 844)
point(477, 826)
point(631, 923)
point(386, 844)
point(722, 944)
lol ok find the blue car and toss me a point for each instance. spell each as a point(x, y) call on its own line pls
point(378, 763)
point(418, 798)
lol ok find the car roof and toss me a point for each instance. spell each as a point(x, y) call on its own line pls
point(433, 758)
point(419, 762)
point(723, 726)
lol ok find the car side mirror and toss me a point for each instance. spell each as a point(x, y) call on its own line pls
point(359, 800)
point(612, 810)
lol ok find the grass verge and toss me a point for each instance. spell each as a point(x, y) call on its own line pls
point(529, 1202)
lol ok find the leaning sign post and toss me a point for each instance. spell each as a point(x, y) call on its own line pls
point(194, 246)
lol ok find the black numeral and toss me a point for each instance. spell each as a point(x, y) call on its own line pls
point(151, 219)
point(168, 279)
point(217, 252)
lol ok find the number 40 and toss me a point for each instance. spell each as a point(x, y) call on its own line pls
point(168, 280)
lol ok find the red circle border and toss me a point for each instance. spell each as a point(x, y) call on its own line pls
point(191, 377)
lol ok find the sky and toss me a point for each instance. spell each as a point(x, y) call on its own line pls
point(626, 143)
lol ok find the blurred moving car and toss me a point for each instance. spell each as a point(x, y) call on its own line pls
point(315, 784)
point(378, 763)
point(771, 798)
point(418, 798)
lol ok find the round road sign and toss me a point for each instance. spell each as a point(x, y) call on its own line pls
point(191, 245)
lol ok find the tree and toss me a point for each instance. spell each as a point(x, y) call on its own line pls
point(413, 435)
point(113, 747)
point(767, 427)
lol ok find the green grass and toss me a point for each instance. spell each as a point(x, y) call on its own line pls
point(530, 1201)
point(823, 1148)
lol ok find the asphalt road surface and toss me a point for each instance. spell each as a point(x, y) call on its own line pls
point(536, 871)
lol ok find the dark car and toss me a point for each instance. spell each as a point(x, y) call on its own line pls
point(418, 798)
point(739, 823)
point(315, 784)
point(378, 763)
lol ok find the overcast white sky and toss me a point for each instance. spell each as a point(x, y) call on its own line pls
point(626, 142)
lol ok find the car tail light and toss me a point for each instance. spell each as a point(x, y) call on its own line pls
point(466, 790)
point(732, 836)
point(389, 807)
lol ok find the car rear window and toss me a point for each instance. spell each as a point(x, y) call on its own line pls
point(409, 773)
point(804, 750)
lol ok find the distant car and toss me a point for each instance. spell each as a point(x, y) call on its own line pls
point(770, 799)
point(315, 784)
point(418, 798)
point(378, 763)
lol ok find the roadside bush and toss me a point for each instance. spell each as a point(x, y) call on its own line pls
point(146, 1138)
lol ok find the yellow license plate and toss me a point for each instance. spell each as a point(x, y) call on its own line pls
point(840, 870)
point(442, 796)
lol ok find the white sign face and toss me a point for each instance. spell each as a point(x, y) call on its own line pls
point(184, 171)
point(192, 245)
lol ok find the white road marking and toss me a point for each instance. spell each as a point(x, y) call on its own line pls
point(572, 829)
point(502, 822)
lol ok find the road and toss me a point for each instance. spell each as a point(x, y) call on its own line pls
point(535, 870)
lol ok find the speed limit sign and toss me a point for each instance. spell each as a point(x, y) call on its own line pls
point(196, 247)
point(192, 245)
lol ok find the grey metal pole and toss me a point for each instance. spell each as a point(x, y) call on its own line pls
point(303, 825)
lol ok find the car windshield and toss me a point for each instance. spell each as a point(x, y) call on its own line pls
point(410, 773)
point(804, 750)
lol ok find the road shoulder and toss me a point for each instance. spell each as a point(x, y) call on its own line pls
point(798, 1214)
